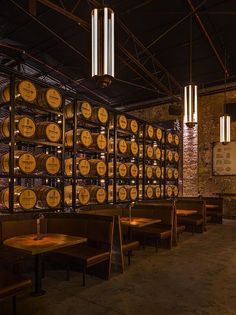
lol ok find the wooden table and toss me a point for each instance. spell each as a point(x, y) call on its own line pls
point(185, 212)
point(138, 222)
point(49, 242)
point(212, 206)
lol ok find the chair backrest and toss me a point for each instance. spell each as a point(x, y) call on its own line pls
point(97, 228)
point(191, 204)
point(13, 227)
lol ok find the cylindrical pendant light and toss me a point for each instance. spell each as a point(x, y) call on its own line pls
point(225, 129)
point(190, 92)
point(190, 105)
point(103, 63)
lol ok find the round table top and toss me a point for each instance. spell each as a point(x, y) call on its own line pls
point(49, 242)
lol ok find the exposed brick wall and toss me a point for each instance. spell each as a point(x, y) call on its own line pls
point(198, 177)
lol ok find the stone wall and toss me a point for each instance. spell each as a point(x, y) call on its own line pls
point(198, 177)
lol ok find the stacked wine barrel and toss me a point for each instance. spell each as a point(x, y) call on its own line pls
point(26, 127)
point(151, 191)
point(126, 124)
point(86, 111)
point(29, 198)
point(123, 193)
point(85, 194)
point(27, 91)
point(86, 167)
point(172, 159)
point(27, 163)
point(86, 139)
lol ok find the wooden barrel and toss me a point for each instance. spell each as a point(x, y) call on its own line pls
point(83, 138)
point(157, 171)
point(169, 173)
point(141, 151)
point(175, 173)
point(97, 194)
point(162, 190)
point(82, 166)
point(149, 172)
point(110, 169)
point(48, 163)
point(176, 156)
point(99, 141)
point(169, 191)
point(48, 197)
point(24, 127)
point(162, 172)
point(122, 122)
point(24, 89)
point(169, 155)
point(132, 147)
point(97, 167)
point(50, 98)
point(49, 131)
point(132, 192)
point(110, 193)
point(24, 198)
point(156, 191)
point(133, 126)
point(122, 146)
point(149, 192)
point(176, 139)
point(157, 153)
point(149, 151)
point(132, 170)
point(175, 190)
point(100, 115)
point(84, 110)
point(159, 134)
point(163, 155)
point(121, 193)
point(82, 195)
point(140, 171)
point(169, 137)
point(24, 162)
point(121, 169)
point(150, 132)
point(111, 145)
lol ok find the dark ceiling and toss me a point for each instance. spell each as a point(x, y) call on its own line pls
point(152, 44)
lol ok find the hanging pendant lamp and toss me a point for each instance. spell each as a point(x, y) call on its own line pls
point(103, 64)
point(190, 94)
point(225, 119)
point(225, 129)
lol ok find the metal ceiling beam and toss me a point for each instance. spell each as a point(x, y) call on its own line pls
point(208, 37)
point(66, 13)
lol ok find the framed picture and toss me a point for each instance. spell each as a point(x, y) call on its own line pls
point(224, 158)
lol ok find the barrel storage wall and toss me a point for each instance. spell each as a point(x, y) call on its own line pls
point(32, 149)
point(59, 152)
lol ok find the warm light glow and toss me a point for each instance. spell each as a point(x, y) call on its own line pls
point(190, 105)
point(225, 129)
point(103, 64)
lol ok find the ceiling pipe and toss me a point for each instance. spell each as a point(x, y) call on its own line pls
point(208, 37)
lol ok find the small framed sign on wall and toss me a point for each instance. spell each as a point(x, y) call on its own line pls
point(224, 158)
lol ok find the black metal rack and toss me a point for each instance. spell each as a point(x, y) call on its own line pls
point(151, 161)
point(35, 145)
point(170, 164)
point(14, 142)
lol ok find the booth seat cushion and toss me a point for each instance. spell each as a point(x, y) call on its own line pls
point(129, 245)
point(85, 254)
point(193, 220)
point(159, 232)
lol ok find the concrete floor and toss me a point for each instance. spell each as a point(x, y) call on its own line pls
point(197, 277)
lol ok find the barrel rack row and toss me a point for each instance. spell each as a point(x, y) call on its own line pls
point(98, 155)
